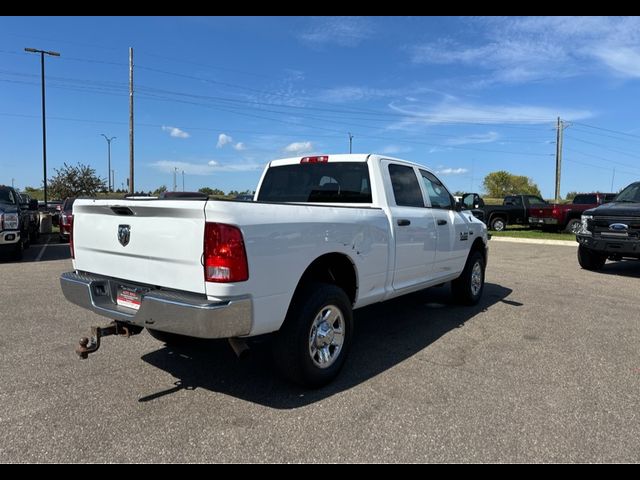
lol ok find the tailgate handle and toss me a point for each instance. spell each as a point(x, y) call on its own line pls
point(442, 222)
point(122, 211)
point(403, 222)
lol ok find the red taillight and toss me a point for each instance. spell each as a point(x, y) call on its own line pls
point(225, 258)
point(319, 159)
point(70, 221)
point(555, 212)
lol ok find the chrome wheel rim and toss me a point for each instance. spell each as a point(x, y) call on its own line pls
point(498, 225)
point(326, 336)
point(476, 279)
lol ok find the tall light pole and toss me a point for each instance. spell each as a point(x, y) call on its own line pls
point(44, 125)
point(183, 180)
point(109, 157)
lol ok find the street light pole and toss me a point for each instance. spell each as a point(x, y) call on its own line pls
point(44, 125)
point(183, 180)
point(109, 156)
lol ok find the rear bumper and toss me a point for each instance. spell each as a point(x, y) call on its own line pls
point(626, 247)
point(543, 221)
point(167, 311)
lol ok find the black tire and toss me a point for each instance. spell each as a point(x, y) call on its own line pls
point(295, 349)
point(590, 260)
point(467, 288)
point(574, 226)
point(169, 338)
point(498, 224)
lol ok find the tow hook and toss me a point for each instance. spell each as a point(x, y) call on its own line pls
point(92, 344)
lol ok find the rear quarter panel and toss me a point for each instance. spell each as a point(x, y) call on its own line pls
point(282, 240)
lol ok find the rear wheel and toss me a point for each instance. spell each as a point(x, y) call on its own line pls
point(574, 226)
point(591, 260)
point(498, 224)
point(468, 287)
point(314, 340)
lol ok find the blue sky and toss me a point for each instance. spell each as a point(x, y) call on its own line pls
point(218, 97)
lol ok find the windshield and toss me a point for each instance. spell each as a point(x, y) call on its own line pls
point(629, 194)
point(7, 196)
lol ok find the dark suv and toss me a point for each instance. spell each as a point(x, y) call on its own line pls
point(611, 231)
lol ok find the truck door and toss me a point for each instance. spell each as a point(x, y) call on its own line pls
point(414, 229)
point(452, 229)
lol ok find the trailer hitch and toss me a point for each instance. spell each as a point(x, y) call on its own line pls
point(91, 344)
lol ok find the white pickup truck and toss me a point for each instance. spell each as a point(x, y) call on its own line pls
point(325, 235)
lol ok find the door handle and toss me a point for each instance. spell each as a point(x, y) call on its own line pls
point(403, 222)
point(442, 222)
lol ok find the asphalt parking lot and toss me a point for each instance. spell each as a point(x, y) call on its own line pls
point(546, 369)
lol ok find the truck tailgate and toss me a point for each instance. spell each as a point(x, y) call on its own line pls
point(164, 247)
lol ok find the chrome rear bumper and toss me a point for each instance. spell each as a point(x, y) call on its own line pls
point(167, 311)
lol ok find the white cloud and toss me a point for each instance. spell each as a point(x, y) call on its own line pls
point(223, 139)
point(394, 149)
point(452, 171)
point(298, 148)
point(205, 167)
point(239, 146)
point(516, 50)
point(475, 138)
point(175, 132)
point(342, 31)
point(452, 110)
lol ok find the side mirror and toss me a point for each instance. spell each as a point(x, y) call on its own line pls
point(508, 202)
point(33, 204)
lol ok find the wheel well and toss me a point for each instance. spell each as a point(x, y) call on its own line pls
point(478, 245)
point(333, 268)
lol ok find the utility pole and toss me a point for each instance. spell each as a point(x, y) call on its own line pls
point(559, 130)
point(612, 177)
point(13, 185)
point(44, 124)
point(113, 179)
point(175, 186)
point(350, 141)
point(130, 119)
point(183, 180)
point(109, 157)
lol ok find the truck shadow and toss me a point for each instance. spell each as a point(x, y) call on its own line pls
point(625, 268)
point(386, 334)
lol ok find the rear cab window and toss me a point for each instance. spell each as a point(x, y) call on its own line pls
point(332, 182)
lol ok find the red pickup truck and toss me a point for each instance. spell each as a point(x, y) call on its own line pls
point(567, 216)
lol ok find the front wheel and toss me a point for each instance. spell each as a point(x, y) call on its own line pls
point(590, 260)
point(468, 287)
point(314, 340)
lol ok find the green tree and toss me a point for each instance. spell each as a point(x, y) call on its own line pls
point(501, 183)
point(36, 193)
point(571, 195)
point(73, 181)
point(159, 190)
point(212, 191)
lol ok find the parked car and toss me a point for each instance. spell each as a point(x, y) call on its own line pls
point(66, 218)
point(31, 206)
point(611, 231)
point(567, 216)
point(14, 222)
point(244, 197)
point(515, 209)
